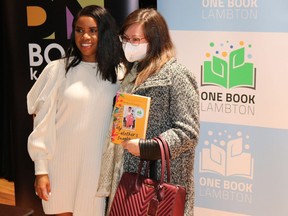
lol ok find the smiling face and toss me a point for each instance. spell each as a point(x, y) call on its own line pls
point(86, 38)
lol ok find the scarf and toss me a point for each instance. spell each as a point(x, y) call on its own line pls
point(113, 154)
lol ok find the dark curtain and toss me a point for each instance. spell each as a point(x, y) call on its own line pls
point(121, 8)
point(6, 148)
point(148, 4)
point(18, 124)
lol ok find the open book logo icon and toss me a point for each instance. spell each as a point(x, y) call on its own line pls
point(228, 157)
point(226, 66)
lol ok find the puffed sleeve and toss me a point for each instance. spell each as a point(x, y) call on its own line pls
point(41, 102)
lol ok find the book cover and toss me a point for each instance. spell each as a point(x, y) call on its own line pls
point(130, 117)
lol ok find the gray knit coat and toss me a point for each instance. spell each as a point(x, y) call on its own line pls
point(174, 114)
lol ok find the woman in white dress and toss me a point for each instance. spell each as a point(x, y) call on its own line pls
point(72, 101)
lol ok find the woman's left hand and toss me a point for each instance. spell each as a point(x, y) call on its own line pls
point(132, 146)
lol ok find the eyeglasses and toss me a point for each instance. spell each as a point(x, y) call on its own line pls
point(134, 40)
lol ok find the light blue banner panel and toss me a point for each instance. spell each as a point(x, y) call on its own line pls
point(242, 169)
point(226, 15)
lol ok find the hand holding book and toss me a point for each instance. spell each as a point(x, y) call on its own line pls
point(132, 146)
point(130, 117)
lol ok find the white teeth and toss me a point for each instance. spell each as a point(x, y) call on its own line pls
point(85, 45)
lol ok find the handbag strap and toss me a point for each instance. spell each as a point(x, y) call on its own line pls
point(159, 190)
point(167, 157)
point(140, 167)
point(165, 160)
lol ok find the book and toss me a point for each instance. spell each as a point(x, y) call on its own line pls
point(130, 117)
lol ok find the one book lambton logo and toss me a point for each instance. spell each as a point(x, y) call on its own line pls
point(228, 67)
point(226, 155)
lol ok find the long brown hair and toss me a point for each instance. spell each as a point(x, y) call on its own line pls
point(156, 32)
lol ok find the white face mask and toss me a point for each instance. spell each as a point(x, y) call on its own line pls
point(134, 53)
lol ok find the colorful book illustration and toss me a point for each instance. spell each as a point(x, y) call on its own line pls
point(130, 117)
point(234, 72)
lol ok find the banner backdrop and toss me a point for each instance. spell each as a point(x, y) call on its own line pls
point(237, 50)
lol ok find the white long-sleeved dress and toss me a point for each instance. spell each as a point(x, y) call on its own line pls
point(70, 127)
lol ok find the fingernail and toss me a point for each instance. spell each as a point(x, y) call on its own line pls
point(49, 193)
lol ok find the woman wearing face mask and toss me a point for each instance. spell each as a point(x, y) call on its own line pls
point(153, 71)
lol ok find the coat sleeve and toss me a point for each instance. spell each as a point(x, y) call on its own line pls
point(41, 103)
point(184, 112)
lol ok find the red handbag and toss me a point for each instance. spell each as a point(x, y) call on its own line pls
point(138, 195)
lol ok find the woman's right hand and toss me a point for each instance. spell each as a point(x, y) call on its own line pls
point(132, 146)
point(42, 186)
